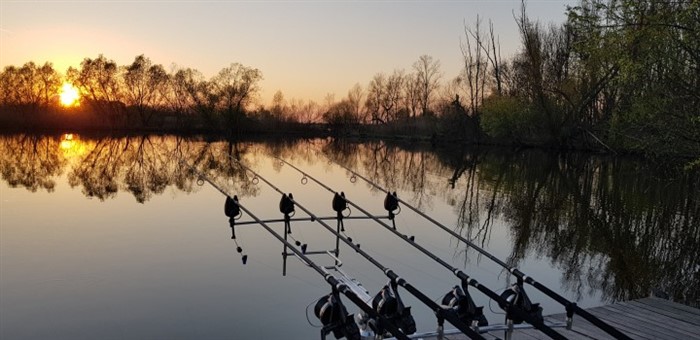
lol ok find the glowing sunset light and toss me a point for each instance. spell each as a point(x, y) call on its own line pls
point(73, 147)
point(69, 95)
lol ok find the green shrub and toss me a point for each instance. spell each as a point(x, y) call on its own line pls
point(510, 118)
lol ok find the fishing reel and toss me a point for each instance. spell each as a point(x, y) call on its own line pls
point(335, 318)
point(461, 302)
point(515, 295)
point(387, 303)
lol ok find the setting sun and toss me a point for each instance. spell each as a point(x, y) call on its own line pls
point(69, 95)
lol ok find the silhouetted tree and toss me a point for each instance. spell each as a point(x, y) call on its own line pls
point(355, 100)
point(427, 81)
point(145, 87)
point(99, 82)
point(234, 88)
point(30, 87)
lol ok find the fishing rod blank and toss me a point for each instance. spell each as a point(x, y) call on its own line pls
point(571, 307)
point(329, 309)
point(442, 314)
point(514, 313)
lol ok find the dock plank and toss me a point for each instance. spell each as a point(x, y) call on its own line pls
point(669, 312)
point(621, 324)
point(672, 307)
point(647, 328)
point(647, 318)
point(684, 308)
point(673, 326)
point(581, 327)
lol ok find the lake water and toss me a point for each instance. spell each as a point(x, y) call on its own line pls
point(115, 238)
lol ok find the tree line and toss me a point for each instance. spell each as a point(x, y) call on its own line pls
point(620, 76)
point(131, 96)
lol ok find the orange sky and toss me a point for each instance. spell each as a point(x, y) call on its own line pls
point(307, 49)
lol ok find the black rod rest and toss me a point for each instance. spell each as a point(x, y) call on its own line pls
point(339, 205)
point(391, 203)
point(233, 211)
point(287, 208)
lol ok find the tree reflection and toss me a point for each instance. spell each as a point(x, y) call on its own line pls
point(141, 165)
point(391, 166)
point(610, 224)
point(31, 161)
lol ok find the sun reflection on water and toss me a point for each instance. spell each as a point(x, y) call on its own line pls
point(72, 147)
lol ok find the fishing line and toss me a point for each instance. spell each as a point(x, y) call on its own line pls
point(307, 314)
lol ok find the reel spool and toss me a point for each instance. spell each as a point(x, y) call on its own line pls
point(335, 318)
point(466, 309)
point(516, 296)
point(388, 304)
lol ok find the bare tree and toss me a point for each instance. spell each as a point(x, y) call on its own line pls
point(145, 87)
point(375, 92)
point(475, 66)
point(30, 86)
point(411, 94)
point(428, 80)
point(355, 96)
point(98, 80)
point(391, 102)
point(177, 98)
point(234, 88)
point(278, 109)
point(310, 112)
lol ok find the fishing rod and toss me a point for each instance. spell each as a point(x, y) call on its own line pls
point(403, 314)
point(570, 306)
point(515, 313)
point(329, 309)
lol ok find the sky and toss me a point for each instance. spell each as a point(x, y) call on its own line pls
point(304, 48)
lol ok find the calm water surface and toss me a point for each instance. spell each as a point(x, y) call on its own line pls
point(114, 238)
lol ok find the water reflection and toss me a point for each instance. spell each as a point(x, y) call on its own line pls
point(32, 162)
point(140, 165)
point(612, 225)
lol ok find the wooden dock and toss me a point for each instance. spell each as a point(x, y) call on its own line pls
point(647, 318)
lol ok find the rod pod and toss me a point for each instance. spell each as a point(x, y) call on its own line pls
point(441, 313)
point(336, 285)
point(511, 310)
